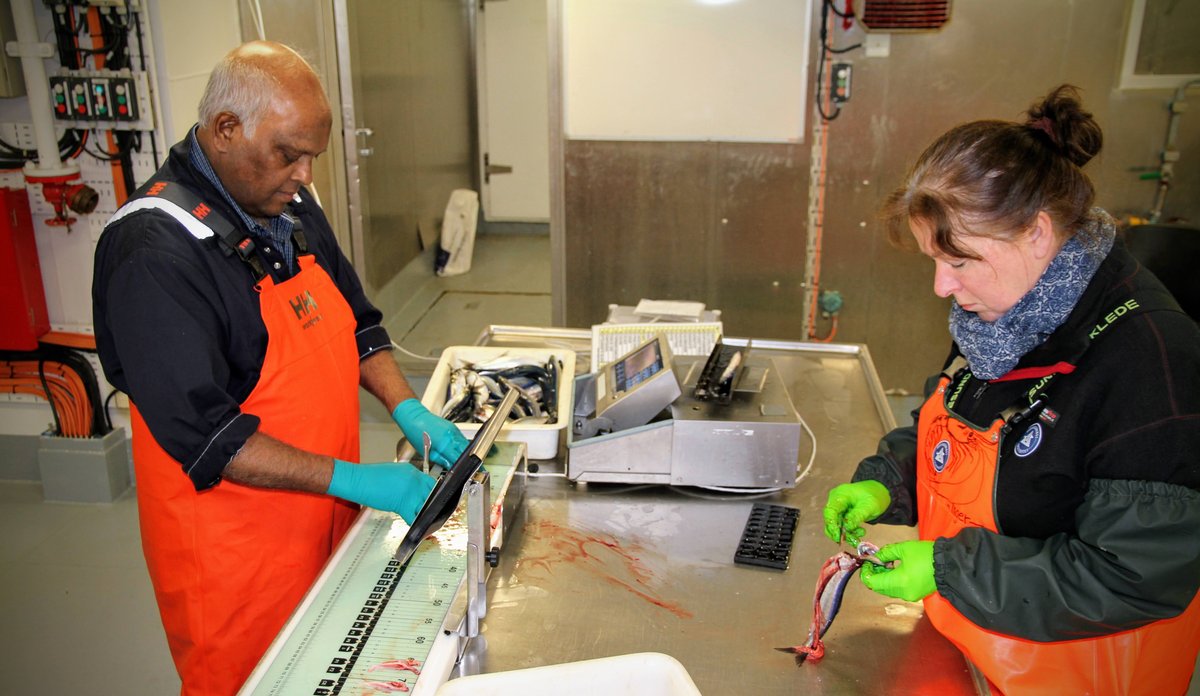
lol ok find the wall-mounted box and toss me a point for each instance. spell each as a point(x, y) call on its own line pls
point(23, 315)
point(84, 469)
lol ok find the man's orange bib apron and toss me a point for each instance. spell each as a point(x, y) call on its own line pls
point(956, 477)
point(229, 564)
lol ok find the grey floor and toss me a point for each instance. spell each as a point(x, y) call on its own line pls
point(76, 608)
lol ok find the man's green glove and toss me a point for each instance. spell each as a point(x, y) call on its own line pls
point(447, 442)
point(398, 488)
point(851, 504)
point(911, 579)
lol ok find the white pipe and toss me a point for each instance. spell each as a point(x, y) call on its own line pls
point(36, 87)
point(1169, 155)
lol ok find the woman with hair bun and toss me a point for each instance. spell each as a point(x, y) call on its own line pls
point(1053, 471)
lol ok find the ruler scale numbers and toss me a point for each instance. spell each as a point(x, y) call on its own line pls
point(368, 625)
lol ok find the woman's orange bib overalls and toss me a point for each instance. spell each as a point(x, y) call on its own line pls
point(956, 477)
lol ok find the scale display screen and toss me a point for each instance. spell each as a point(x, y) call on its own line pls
point(634, 388)
point(638, 367)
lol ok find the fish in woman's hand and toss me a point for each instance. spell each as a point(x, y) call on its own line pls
point(827, 600)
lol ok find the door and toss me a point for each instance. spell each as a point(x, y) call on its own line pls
point(407, 124)
point(354, 139)
point(514, 134)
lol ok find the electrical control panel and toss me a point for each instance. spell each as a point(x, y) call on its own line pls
point(94, 98)
point(63, 94)
point(114, 98)
point(840, 89)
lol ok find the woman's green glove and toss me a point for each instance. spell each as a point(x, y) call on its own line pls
point(851, 504)
point(911, 579)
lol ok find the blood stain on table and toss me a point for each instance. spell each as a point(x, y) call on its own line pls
point(408, 664)
point(387, 687)
point(598, 554)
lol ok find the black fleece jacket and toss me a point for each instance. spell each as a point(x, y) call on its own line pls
point(1099, 526)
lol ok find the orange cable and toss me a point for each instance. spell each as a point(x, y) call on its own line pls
point(118, 175)
point(66, 392)
point(80, 341)
point(820, 226)
point(68, 419)
point(97, 32)
point(832, 332)
point(76, 393)
point(61, 391)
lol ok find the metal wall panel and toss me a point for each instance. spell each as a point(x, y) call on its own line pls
point(412, 62)
point(644, 219)
point(720, 222)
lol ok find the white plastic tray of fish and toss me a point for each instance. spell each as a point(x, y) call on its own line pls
point(468, 378)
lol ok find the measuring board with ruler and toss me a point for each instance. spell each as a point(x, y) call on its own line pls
point(369, 626)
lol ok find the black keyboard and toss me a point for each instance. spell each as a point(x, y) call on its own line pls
point(767, 539)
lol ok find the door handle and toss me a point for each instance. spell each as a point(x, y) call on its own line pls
point(489, 169)
point(362, 134)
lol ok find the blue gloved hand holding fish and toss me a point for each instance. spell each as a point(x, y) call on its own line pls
point(909, 578)
point(447, 441)
point(851, 504)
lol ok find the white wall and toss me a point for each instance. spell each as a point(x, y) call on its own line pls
point(190, 38)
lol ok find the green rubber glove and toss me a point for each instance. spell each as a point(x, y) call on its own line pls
point(399, 488)
point(851, 504)
point(911, 579)
point(446, 441)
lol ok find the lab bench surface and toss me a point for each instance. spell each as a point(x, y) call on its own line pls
point(597, 570)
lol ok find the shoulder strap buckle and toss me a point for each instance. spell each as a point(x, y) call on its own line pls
point(233, 238)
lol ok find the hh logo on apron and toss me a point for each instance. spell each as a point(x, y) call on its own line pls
point(305, 308)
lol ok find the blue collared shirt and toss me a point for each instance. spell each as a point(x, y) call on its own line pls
point(279, 229)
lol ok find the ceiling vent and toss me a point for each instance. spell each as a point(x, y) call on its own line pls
point(904, 15)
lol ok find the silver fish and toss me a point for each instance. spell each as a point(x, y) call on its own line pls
point(474, 390)
point(827, 600)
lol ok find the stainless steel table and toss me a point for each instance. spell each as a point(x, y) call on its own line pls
point(599, 570)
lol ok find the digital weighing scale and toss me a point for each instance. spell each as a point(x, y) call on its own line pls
point(647, 419)
point(372, 625)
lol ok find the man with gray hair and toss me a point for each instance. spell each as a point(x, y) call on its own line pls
point(225, 310)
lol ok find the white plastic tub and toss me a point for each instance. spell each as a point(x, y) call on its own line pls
point(637, 674)
point(540, 438)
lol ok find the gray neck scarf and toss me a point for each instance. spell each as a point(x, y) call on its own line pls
point(993, 348)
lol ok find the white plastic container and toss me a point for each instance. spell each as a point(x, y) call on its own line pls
point(540, 438)
point(637, 674)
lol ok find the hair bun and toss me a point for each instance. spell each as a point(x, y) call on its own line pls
point(1072, 131)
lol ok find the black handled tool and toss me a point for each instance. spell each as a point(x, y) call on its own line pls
point(443, 500)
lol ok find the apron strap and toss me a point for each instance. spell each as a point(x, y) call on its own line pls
point(295, 209)
point(956, 365)
point(203, 221)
